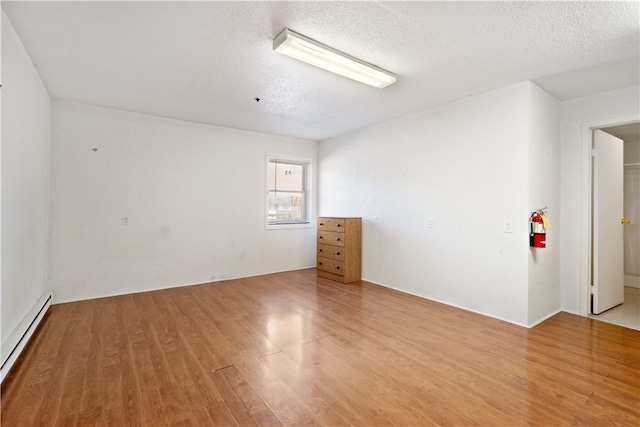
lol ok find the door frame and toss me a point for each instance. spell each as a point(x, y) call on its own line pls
point(586, 202)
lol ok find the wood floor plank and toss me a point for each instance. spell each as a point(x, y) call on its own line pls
point(291, 374)
point(294, 349)
point(257, 374)
point(310, 356)
point(220, 415)
point(245, 404)
point(289, 409)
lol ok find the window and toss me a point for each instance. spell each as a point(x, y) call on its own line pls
point(287, 195)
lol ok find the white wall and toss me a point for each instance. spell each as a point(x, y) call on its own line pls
point(26, 125)
point(466, 165)
point(544, 191)
point(194, 196)
point(578, 115)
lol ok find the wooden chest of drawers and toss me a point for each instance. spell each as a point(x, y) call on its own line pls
point(339, 250)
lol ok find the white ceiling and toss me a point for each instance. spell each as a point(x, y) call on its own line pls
point(207, 61)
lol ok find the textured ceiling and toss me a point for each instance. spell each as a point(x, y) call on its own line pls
point(207, 61)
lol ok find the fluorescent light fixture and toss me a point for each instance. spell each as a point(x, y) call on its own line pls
point(310, 51)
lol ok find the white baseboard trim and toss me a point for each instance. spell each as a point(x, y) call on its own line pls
point(632, 281)
point(529, 326)
point(448, 303)
point(542, 319)
point(18, 339)
point(63, 300)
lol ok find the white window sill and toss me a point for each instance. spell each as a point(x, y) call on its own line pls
point(290, 225)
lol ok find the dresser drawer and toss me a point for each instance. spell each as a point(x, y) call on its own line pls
point(330, 238)
point(331, 265)
point(333, 252)
point(331, 224)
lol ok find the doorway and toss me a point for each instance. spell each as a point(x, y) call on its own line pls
point(626, 313)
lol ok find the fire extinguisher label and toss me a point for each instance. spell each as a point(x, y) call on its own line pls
point(538, 227)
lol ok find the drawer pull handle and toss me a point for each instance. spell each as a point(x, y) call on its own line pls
point(319, 250)
point(320, 263)
point(319, 237)
point(337, 267)
point(322, 223)
point(337, 253)
point(338, 225)
point(338, 239)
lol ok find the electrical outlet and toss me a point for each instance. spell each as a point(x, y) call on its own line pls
point(430, 222)
point(508, 226)
point(125, 220)
point(374, 220)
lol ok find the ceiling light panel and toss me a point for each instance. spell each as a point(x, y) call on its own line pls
point(312, 52)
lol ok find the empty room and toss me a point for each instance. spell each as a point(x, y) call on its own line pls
point(368, 213)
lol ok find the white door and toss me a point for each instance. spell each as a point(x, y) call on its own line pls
point(608, 209)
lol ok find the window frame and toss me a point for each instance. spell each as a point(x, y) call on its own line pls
point(307, 168)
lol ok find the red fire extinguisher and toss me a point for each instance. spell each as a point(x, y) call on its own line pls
point(539, 225)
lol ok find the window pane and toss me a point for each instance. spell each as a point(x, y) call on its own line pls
point(285, 176)
point(285, 206)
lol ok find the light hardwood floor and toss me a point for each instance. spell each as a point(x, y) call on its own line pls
point(295, 349)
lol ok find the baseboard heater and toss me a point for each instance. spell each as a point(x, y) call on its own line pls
point(18, 339)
